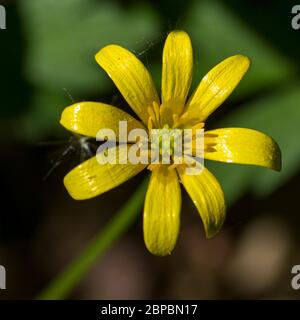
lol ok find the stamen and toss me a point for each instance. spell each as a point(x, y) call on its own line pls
point(177, 165)
point(163, 111)
point(153, 166)
point(150, 124)
point(173, 166)
point(157, 113)
point(175, 120)
point(197, 127)
point(151, 114)
point(200, 125)
point(210, 139)
point(182, 118)
point(187, 122)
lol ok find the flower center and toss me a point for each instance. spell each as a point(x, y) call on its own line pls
point(170, 138)
point(166, 140)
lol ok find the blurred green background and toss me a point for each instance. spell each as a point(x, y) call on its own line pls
point(47, 63)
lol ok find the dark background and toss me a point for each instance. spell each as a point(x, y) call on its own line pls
point(46, 63)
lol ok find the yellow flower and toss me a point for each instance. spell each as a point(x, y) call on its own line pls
point(163, 199)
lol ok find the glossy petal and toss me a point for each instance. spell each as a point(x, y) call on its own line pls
point(215, 87)
point(91, 179)
point(131, 78)
point(176, 70)
point(162, 211)
point(245, 146)
point(87, 118)
point(208, 197)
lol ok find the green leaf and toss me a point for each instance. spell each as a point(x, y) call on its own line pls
point(234, 179)
point(63, 37)
point(218, 33)
point(67, 280)
point(277, 115)
point(43, 118)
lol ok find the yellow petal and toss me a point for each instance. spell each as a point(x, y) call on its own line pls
point(208, 197)
point(91, 179)
point(215, 87)
point(87, 118)
point(131, 78)
point(162, 211)
point(245, 146)
point(176, 71)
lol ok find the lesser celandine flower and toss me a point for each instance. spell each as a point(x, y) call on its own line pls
point(173, 110)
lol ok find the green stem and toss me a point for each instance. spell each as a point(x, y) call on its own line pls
point(65, 282)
